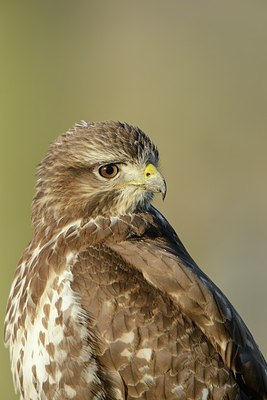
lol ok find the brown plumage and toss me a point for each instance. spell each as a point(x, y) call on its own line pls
point(106, 302)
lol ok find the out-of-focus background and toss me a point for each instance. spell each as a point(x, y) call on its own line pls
point(193, 75)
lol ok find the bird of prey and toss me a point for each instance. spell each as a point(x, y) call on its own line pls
point(106, 302)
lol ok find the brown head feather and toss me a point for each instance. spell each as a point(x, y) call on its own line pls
point(68, 185)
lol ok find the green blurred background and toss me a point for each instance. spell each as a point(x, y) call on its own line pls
point(192, 74)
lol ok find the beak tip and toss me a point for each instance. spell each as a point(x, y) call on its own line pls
point(164, 189)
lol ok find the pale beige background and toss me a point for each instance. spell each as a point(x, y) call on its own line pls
point(192, 74)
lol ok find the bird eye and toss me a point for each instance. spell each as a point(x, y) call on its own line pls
point(109, 171)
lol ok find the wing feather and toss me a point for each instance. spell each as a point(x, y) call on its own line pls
point(136, 279)
point(165, 264)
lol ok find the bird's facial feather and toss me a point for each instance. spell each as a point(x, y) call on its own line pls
point(119, 188)
point(97, 169)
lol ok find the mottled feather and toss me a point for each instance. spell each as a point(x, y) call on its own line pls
point(106, 302)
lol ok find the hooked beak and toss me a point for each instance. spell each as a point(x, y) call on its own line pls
point(151, 180)
point(154, 181)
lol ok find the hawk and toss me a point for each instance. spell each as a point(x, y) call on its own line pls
point(106, 302)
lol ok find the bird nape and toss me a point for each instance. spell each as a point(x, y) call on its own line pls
point(106, 302)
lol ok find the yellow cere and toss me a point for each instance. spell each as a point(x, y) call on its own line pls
point(150, 170)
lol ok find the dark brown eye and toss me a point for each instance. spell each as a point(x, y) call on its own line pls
point(109, 171)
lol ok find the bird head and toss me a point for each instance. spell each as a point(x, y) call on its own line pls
point(102, 168)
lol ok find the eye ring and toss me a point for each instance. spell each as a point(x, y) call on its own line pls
point(109, 171)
